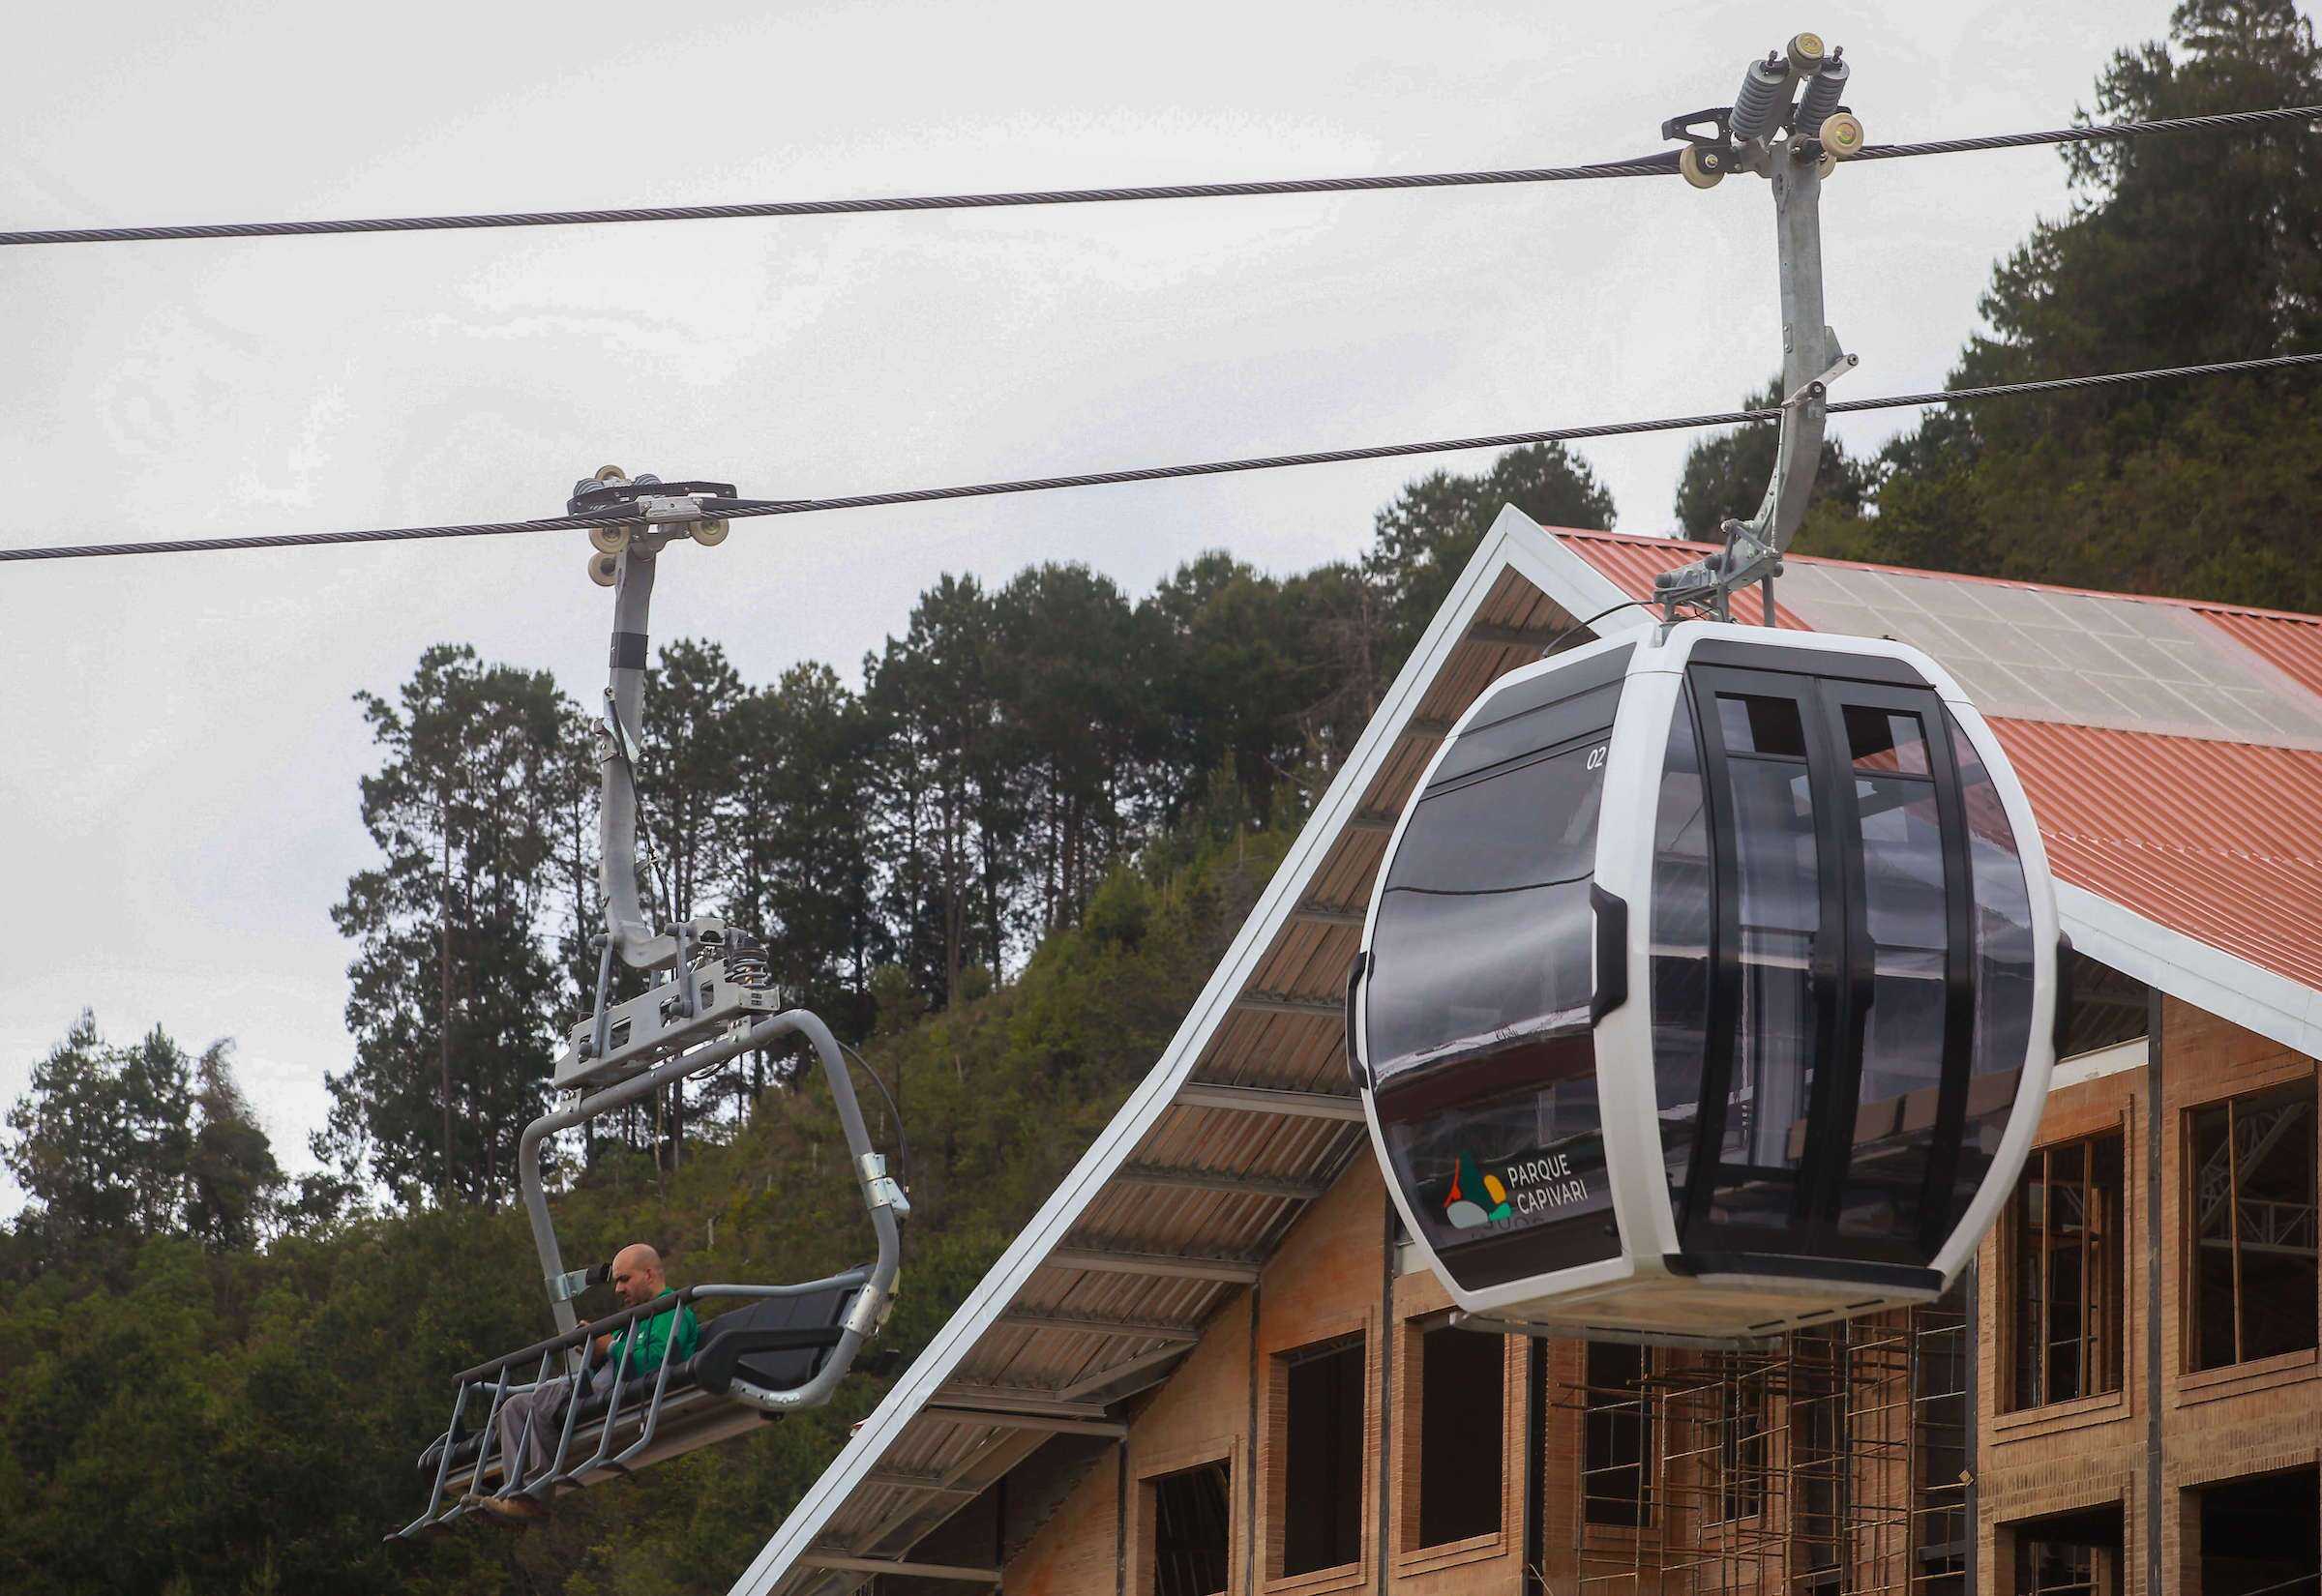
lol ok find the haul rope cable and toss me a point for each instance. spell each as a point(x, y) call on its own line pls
point(1660, 164)
point(749, 509)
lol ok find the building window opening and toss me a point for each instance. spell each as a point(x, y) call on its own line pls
point(2108, 1008)
point(2067, 1233)
point(2262, 1534)
point(1617, 1437)
point(1322, 1453)
point(1193, 1530)
point(2076, 1554)
point(2250, 1177)
point(1463, 1397)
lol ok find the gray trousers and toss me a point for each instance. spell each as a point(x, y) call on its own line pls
point(544, 1406)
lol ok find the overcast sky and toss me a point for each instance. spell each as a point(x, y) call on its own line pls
point(181, 752)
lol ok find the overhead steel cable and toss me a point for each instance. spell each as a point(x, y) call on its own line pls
point(1662, 163)
point(751, 509)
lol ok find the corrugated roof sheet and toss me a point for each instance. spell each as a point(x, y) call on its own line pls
point(2217, 838)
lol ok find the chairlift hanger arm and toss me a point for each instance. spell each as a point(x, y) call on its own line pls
point(1795, 146)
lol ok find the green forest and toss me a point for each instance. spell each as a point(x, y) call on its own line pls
point(1003, 866)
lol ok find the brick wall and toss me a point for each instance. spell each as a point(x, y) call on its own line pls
point(1329, 1279)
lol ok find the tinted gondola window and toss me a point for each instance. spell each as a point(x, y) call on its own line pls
point(2002, 922)
point(1895, 1128)
point(1683, 913)
point(1484, 932)
point(1475, 1172)
point(1777, 876)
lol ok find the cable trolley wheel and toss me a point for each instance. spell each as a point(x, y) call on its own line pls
point(1700, 168)
point(604, 569)
point(1842, 135)
point(1708, 988)
point(609, 540)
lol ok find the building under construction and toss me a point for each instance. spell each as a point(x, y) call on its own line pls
point(1212, 1363)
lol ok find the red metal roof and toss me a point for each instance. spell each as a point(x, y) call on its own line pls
point(2219, 841)
point(2291, 643)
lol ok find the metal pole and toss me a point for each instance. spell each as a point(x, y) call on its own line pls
point(633, 935)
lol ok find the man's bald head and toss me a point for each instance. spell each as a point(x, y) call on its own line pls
point(637, 1274)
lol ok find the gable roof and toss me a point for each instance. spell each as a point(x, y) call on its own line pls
point(2179, 858)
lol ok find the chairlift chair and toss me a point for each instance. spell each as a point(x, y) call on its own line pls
point(782, 1349)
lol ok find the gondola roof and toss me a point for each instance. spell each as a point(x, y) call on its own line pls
point(2183, 842)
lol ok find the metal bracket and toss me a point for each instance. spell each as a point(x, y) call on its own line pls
point(613, 736)
point(566, 1286)
point(880, 1188)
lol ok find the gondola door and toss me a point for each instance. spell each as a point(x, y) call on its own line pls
point(1833, 1068)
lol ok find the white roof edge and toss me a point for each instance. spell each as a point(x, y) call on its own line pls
point(2186, 967)
point(1514, 540)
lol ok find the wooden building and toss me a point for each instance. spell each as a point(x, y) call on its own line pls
point(1207, 1365)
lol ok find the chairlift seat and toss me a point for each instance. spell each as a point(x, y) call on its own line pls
point(773, 1344)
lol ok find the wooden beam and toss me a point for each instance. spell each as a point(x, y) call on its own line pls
point(1223, 1180)
point(846, 1563)
point(1112, 1428)
point(1144, 1362)
point(1514, 637)
point(1328, 914)
point(1372, 819)
point(1322, 1008)
point(1270, 1100)
point(1006, 1399)
point(1426, 726)
point(1108, 1260)
point(933, 1485)
point(1089, 1325)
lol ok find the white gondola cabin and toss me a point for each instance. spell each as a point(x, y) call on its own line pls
point(1708, 988)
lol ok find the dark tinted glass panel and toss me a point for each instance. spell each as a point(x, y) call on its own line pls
point(1463, 1379)
point(1683, 913)
point(1492, 741)
point(1902, 1041)
point(1766, 726)
point(1323, 1446)
point(2001, 917)
point(1528, 1160)
point(1193, 1527)
point(1774, 1059)
point(1484, 932)
point(1885, 740)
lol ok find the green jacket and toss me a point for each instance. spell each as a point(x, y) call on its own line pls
point(652, 1336)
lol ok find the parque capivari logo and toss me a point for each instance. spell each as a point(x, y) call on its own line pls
point(1476, 1198)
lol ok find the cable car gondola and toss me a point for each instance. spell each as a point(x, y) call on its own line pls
point(1709, 982)
point(1707, 988)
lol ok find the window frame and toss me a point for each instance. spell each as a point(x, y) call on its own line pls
point(2189, 1238)
point(1411, 1556)
point(1336, 1337)
point(1145, 1496)
point(2117, 1238)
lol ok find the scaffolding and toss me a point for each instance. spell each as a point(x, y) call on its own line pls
point(1834, 1463)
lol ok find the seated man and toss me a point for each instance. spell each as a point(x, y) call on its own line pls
point(637, 1353)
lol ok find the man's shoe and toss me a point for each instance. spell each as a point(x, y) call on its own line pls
point(514, 1512)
